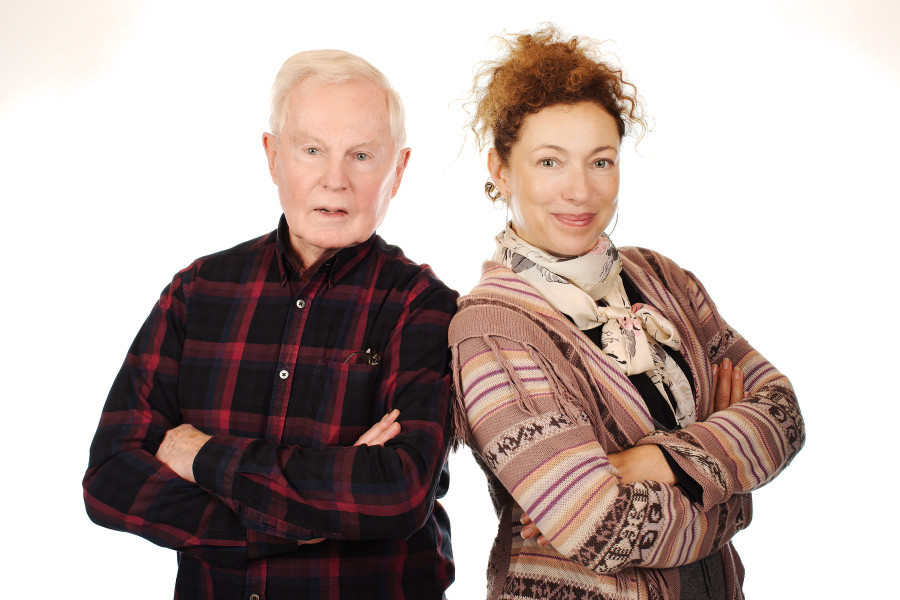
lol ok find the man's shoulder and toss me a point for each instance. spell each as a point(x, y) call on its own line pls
point(261, 243)
point(226, 261)
point(403, 272)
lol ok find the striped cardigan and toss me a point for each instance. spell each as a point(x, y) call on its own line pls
point(540, 405)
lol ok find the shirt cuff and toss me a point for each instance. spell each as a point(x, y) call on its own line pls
point(216, 463)
point(688, 485)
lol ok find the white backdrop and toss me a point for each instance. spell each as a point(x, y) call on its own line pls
point(130, 145)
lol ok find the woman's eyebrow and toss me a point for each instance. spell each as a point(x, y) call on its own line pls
point(556, 148)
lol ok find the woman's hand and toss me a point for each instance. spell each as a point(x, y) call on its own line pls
point(642, 463)
point(377, 435)
point(647, 463)
point(530, 530)
point(728, 385)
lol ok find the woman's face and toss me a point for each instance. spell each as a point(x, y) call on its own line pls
point(562, 177)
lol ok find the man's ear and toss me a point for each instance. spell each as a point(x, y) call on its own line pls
point(498, 172)
point(400, 168)
point(270, 145)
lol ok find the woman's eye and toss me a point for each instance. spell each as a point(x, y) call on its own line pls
point(602, 163)
point(362, 156)
point(312, 151)
point(548, 162)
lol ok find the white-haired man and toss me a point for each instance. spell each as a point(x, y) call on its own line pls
point(281, 418)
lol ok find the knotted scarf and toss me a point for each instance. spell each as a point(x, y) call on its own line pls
point(589, 289)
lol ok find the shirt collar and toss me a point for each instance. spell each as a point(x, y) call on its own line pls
point(334, 268)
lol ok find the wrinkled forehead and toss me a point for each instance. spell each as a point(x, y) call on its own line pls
point(358, 106)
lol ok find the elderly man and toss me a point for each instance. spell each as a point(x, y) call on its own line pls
point(281, 419)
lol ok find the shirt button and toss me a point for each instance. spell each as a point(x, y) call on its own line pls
point(301, 303)
point(254, 596)
point(283, 374)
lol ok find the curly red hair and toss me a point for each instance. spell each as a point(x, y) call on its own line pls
point(542, 69)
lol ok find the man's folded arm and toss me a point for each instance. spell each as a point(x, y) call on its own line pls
point(358, 492)
point(127, 488)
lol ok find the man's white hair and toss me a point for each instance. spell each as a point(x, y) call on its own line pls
point(329, 67)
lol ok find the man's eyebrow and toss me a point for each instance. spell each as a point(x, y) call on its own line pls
point(372, 142)
point(304, 136)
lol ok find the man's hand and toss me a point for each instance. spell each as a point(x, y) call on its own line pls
point(179, 447)
point(381, 431)
point(377, 435)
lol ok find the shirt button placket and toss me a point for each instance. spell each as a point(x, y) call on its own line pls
point(284, 373)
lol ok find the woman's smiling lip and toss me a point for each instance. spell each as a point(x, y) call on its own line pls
point(579, 220)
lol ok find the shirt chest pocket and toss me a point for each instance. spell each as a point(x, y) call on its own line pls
point(340, 403)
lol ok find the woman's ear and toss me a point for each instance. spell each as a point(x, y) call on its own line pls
point(498, 172)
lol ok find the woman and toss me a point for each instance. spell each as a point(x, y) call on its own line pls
point(585, 375)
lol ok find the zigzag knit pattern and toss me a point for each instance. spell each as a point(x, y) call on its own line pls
point(541, 407)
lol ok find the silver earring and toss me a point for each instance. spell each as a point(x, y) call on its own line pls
point(614, 224)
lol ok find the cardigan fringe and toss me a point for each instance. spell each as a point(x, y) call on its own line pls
point(529, 386)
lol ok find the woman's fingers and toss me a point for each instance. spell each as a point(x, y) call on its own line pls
point(530, 530)
point(728, 385)
point(722, 393)
point(737, 386)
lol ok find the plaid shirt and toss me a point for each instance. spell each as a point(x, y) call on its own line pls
point(286, 374)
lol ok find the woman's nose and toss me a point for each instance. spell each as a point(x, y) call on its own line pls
point(577, 186)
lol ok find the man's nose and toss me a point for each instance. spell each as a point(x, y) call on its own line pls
point(335, 175)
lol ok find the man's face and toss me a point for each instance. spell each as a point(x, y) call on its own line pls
point(335, 166)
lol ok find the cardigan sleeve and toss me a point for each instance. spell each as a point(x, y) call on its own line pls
point(741, 448)
point(546, 454)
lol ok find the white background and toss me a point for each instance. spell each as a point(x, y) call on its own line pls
point(130, 145)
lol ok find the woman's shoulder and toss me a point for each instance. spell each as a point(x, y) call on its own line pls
point(643, 263)
point(647, 259)
point(502, 303)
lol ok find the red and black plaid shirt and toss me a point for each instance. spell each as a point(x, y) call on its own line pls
point(286, 374)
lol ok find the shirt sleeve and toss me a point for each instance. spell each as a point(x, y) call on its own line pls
point(358, 492)
point(741, 448)
point(127, 488)
point(549, 459)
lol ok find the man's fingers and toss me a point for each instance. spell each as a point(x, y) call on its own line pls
point(386, 434)
point(381, 431)
point(308, 542)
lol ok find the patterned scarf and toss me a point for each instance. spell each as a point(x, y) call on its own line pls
point(631, 334)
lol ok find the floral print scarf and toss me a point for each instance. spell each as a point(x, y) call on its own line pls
point(589, 290)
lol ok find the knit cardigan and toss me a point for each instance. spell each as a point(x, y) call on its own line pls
point(541, 406)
